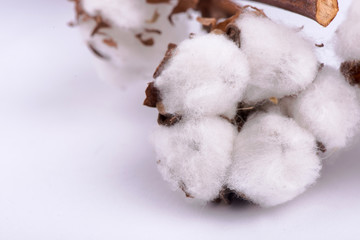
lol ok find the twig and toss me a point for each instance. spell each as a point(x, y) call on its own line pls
point(322, 11)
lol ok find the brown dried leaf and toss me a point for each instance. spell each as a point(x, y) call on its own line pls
point(182, 6)
point(208, 22)
point(320, 147)
point(146, 42)
point(157, 1)
point(224, 24)
point(82, 15)
point(217, 9)
point(213, 10)
point(233, 32)
point(257, 11)
point(154, 17)
point(183, 187)
point(97, 52)
point(110, 42)
point(168, 55)
point(78, 9)
point(168, 119)
point(152, 95)
point(152, 30)
point(100, 23)
point(351, 71)
point(228, 196)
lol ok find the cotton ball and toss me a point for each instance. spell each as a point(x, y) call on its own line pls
point(274, 160)
point(348, 34)
point(195, 154)
point(130, 48)
point(206, 75)
point(281, 62)
point(124, 13)
point(329, 109)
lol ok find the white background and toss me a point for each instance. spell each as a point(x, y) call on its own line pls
point(75, 161)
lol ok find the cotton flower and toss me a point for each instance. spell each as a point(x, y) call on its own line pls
point(206, 75)
point(281, 62)
point(329, 109)
point(274, 160)
point(195, 154)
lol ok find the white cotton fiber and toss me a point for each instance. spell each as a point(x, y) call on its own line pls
point(195, 154)
point(131, 60)
point(329, 109)
point(348, 34)
point(274, 160)
point(123, 13)
point(281, 62)
point(207, 75)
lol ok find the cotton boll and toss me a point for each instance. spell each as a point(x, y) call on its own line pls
point(130, 23)
point(124, 13)
point(206, 75)
point(281, 62)
point(195, 154)
point(274, 160)
point(329, 109)
point(348, 34)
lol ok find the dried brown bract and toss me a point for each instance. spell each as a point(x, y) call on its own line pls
point(110, 42)
point(152, 95)
point(351, 71)
point(97, 52)
point(146, 42)
point(168, 119)
point(157, 1)
point(168, 55)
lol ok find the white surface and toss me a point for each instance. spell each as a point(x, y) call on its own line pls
point(75, 162)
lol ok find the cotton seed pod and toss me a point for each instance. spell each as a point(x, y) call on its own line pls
point(194, 155)
point(348, 34)
point(329, 108)
point(128, 37)
point(206, 75)
point(274, 160)
point(281, 61)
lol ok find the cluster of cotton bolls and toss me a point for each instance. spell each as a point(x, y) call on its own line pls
point(253, 120)
point(127, 37)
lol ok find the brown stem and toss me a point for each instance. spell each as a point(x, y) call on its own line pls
point(322, 11)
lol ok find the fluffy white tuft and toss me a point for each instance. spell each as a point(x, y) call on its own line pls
point(281, 62)
point(195, 154)
point(329, 109)
point(207, 75)
point(274, 160)
point(348, 34)
point(123, 13)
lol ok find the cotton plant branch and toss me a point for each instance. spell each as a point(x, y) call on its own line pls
point(245, 111)
point(235, 121)
point(321, 11)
